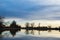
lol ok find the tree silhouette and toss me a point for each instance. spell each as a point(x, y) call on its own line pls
point(32, 25)
point(49, 29)
point(27, 25)
point(39, 25)
point(49, 26)
point(1, 22)
point(59, 28)
point(13, 24)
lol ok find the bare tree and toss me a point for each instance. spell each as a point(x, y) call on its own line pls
point(27, 24)
point(49, 26)
point(39, 25)
point(1, 20)
point(32, 24)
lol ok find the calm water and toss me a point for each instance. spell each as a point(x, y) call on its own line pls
point(35, 33)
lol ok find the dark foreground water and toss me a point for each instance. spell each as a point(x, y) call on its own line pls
point(31, 38)
point(30, 35)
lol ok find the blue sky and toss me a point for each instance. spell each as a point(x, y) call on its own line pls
point(31, 9)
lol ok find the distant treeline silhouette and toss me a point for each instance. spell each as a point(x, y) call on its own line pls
point(13, 26)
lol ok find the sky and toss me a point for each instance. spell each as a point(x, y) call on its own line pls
point(30, 9)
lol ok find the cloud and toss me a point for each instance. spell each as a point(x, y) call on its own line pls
point(22, 22)
point(15, 8)
point(47, 2)
point(51, 12)
point(31, 9)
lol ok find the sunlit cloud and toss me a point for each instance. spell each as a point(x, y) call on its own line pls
point(22, 22)
point(28, 10)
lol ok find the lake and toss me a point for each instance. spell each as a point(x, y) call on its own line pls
point(27, 34)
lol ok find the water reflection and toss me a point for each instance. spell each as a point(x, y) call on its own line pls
point(29, 32)
point(14, 28)
point(25, 31)
point(13, 32)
